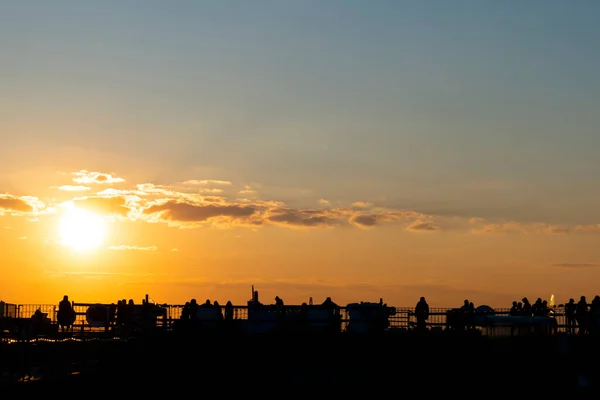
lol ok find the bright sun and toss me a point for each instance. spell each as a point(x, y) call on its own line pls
point(81, 230)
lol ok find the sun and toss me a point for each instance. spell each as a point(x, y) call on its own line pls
point(81, 230)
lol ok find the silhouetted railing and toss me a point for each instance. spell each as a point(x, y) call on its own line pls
point(404, 317)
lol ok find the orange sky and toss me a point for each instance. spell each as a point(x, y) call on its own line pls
point(353, 149)
point(214, 239)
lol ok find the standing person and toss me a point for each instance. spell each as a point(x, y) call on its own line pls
point(65, 315)
point(570, 308)
point(581, 315)
point(422, 314)
point(229, 311)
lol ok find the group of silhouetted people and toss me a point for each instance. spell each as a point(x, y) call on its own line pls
point(580, 317)
point(583, 317)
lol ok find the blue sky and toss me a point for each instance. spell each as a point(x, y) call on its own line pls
point(471, 108)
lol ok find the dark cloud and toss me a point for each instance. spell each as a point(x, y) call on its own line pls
point(367, 220)
point(11, 203)
point(177, 211)
point(304, 218)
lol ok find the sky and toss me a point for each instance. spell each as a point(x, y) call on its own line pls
point(353, 149)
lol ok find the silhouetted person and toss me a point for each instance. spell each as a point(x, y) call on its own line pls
point(471, 313)
point(464, 315)
point(422, 314)
point(228, 311)
point(65, 315)
point(594, 315)
point(38, 322)
point(545, 310)
point(218, 307)
point(193, 309)
point(520, 308)
point(279, 308)
point(207, 304)
point(581, 315)
point(514, 309)
point(570, 309)
point(527, 308)
point(185, 312)
point(329, 304)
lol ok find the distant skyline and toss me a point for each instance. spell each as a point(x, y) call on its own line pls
point(351, 149)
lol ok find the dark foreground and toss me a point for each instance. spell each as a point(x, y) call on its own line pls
point(399, 366)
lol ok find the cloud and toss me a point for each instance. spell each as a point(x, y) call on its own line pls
point(364, 221)
point(135, 248)
point(13, 203)
point(422, 226)
point(195, 203)
point(519, 227)
point(374, 216)
point(587, 228)
point(24, 205)
point(86, 177)
point(206, 182)
point(304, 218)
point(72, 188)
point(116, 205)
point(185, 212)
point(361, 205)
point(577, 265)
point(247, 190)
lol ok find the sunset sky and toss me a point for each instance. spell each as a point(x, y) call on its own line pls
point(353, 149)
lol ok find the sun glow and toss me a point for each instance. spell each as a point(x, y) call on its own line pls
point(81, 230)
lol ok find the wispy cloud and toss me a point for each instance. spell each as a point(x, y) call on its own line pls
point(133, 248)
point(86, 177)
point(206, 182)
point(422, 226)
point(577, 265)
point(95, 273)
point(110, 205)
point(196, 203)
point(72, 188)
